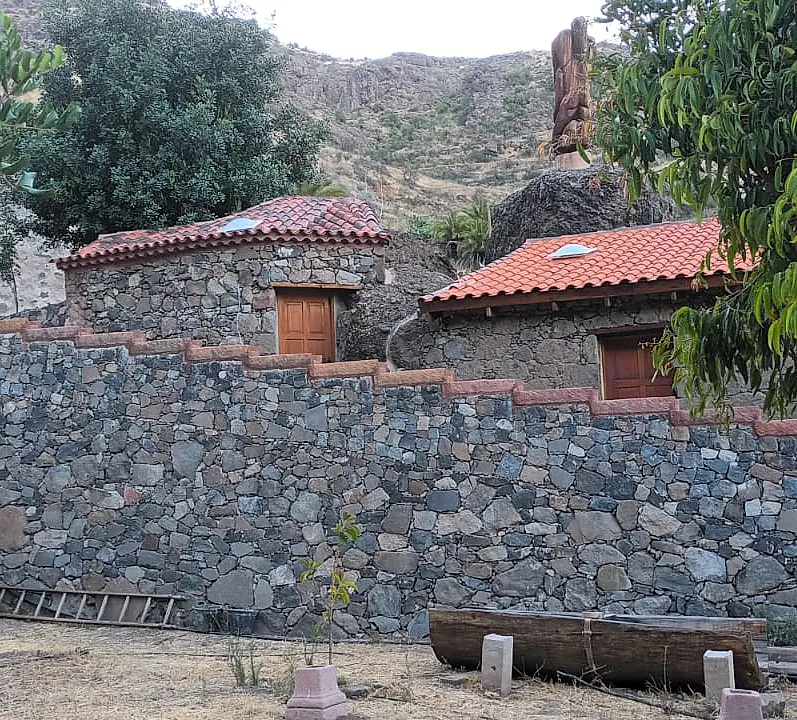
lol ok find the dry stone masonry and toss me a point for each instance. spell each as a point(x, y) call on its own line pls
point(157, 473)
point(219, 296)
point(545, 345)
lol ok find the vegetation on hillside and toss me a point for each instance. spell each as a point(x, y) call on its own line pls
point(712, 86)
point(171, 133)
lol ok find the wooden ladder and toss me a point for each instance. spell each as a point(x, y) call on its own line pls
point(82, 606)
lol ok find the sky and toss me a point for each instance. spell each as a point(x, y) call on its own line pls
point(464, 28)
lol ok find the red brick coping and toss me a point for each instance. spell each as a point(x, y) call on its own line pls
point(252, 358)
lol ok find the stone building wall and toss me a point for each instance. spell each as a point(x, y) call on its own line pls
point(546, 348)
point(222, 296)
point(126, 471)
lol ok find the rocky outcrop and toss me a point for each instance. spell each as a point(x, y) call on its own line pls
point(416, 267)
point(567, 202)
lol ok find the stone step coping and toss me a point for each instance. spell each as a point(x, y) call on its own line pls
point(194, 351)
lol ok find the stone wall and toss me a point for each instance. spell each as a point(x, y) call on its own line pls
point(545, 347)
point(39, 282)
point(221, 296)
point(183, 473)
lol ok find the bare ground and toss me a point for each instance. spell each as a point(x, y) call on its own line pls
point(49, 670)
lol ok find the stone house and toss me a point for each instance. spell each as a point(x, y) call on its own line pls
point(276, 275)
point(572, 311)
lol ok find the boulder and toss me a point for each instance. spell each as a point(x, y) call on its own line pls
point(569, 202)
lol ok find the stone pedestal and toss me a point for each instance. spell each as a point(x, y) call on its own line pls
point(718, 673)
point(316, 695)
point(497, 651)
point(740, 705)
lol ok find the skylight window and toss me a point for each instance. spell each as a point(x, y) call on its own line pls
point(241, 223)
point(571, 250)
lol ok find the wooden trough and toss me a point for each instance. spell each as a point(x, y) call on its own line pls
point(627, 650)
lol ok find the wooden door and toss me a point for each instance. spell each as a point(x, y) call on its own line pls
point(628, 370)
point(306, 323)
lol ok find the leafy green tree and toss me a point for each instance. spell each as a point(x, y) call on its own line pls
point(182, 120)
point(706, 105)
point(21, 113)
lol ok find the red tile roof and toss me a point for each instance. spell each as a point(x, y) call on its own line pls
point(629, 260)
point(302, 219)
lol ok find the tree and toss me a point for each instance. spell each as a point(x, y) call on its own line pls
point(705, 105)
point(21, 113)
point(182, 120)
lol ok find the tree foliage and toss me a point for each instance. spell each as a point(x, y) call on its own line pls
point(467, 231)
point(706, 105)
point(22, 113)
point(182, 120)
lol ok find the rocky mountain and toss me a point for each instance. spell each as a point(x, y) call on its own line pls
point(416, 135)
point(420, 135)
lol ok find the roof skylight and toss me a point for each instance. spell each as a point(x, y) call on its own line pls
point(240, 223)
point(571, 250)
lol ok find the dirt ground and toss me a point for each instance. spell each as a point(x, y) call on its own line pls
point(50, 670)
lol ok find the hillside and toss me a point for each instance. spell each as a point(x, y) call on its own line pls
point(416, 135)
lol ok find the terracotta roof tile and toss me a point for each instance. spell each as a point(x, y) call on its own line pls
point(626, 256)
point(314, 219)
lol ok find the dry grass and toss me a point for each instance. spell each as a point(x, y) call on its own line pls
point(90, 673)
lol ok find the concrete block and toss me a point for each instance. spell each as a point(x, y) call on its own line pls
point(740, 705)
point(718, 673)
point(497, 651)
point(316, 695)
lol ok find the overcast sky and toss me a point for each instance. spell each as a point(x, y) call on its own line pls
point(374, 28)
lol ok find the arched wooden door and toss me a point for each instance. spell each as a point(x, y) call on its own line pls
point(306, 323)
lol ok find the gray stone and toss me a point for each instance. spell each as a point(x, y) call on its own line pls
point(627, 513)
point(398, 519)
point(384, 600)
point(234, 589)
point(186, 457)
point(145, 474)
point(398, 563)
point(57, 478)
point(443, 500)
point(705, 565)
point(450, 592)
point(594, 525)
point(355, 559)
point(306, 507)
point(612, 577)
point(53, 539)
point(509, 467)
point(108, 499)
point(658, 522)
point(419, 625)
point(580, 594)
point(500, 514)
point(315, 418)
point(600, 555)
point(523, 580)
point(761, 574)
point(12, 528)
point(263, 596)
